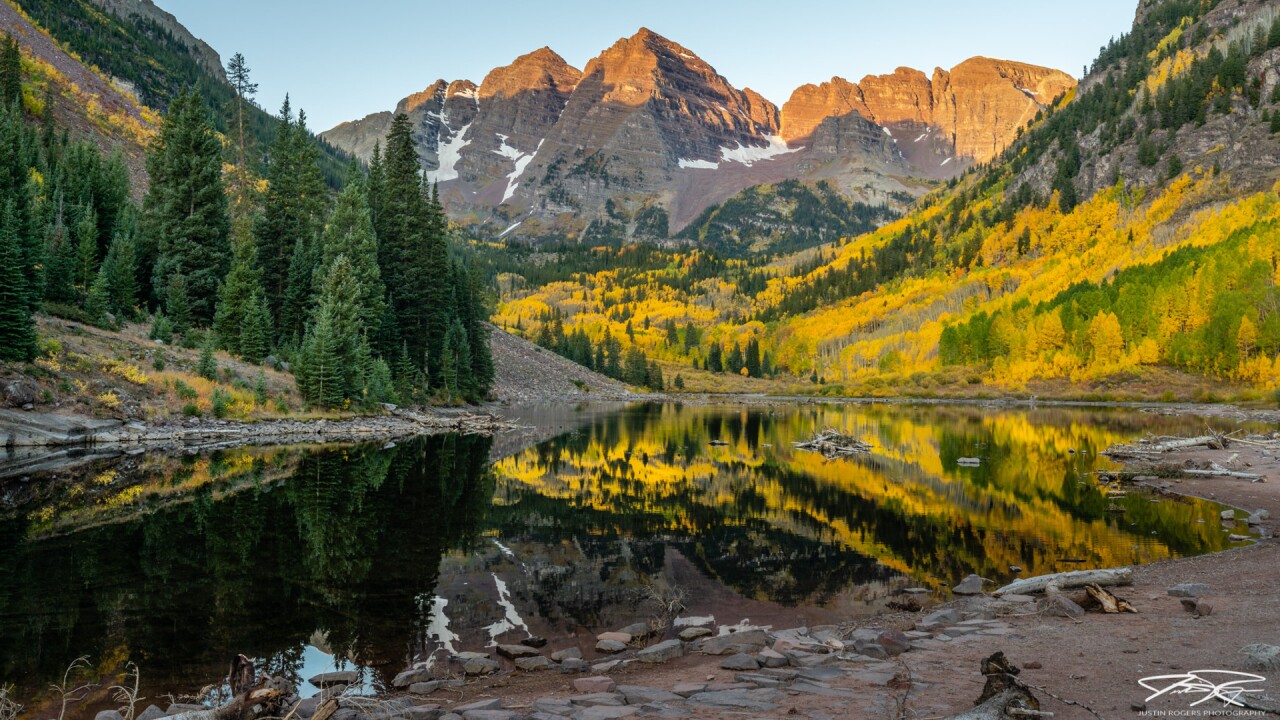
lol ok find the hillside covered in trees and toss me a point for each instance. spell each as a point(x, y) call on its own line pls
point(1127, 231)
point(358, 294)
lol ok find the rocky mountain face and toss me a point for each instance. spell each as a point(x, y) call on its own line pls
point(147, 10)
point(649, 135)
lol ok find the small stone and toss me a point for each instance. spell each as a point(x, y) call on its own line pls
point(610, 647)
point(594, 699)
point(600, 712)
point(424, 688)
point(567, 653)
point(574, 665)
point(740, 662)
point(642, 695)
point(1138, 706)
point(772, 659)
point(621, 637)
point(971, 585)
point(534, 641)
point(598, 684)
point(411, 676)
point(487, 704)
point(151, 713)
point(661, 652)
point(1033, 665)
point(108, 715)
point(1189, 590)
point(687, 689)
point(694, 633)
point(604, 667)
point(1228, 515)
point(516, 651)
point(894, 642)
point(533, 664)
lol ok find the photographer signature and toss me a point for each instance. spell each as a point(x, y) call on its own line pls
point(1223, 685)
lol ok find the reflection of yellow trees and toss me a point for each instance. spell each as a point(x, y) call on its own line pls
point(1031, 503)
point(116, 495)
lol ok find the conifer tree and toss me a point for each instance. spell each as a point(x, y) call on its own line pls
point(118, 276)
point(10, 71)
point(292, 215)
point(17, 329)
point(186, 207)
point(177, 304)
point(255, 328)
point(238, 76)
point(86, 249)
point(239, 290)
point(207, 367)
point(330, 357)
point(349, 233)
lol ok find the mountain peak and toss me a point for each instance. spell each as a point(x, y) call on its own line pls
point(415, 100)
point(542, 69)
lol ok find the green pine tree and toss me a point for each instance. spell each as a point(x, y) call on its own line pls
point(332, 350)
point(177, 304)
point(186, 205)
point(86, 249)
point(17, 329)
point(10, 71)
point(207, 367)
point(241, 288)
point(119, 276)
point(349, 233)
point(255, 329)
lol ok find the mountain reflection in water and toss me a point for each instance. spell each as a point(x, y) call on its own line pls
point(382, 556)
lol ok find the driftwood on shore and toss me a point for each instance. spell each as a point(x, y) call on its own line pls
point(1073, 579)
point(833, 444)
point(1003, 697)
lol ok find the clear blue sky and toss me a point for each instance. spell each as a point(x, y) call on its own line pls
point(344, 60)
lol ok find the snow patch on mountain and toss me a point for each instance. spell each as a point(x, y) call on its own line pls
point(450, 154)
point(521, 161)
point(748, 155)
point(699, 164)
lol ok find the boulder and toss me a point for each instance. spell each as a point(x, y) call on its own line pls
point(338, 677)
point(601, 712)
point(487, 704)
point(740, 662)
point(151, 713)
point(1189, 590)
point(595, 699)
point(621, 637)
point(565, 654)
point(939, 619)
point(516, 651)
point(636, 630)
point(971, 585)
point(574, 665)
point(533, 664)
point(480, 666)
point(694, 633)
point(772, 659)
point(741, 641)
point(687, 689)
point(108, 715)
point(597, 684)
point(1261, 657)
point(894, 642)
point(661, 652)
point(411, 676)
point(535, 641)
point(19, 392)
point(610, 647)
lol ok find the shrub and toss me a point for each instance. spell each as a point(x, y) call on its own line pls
point(191, 410)
point(185, 391)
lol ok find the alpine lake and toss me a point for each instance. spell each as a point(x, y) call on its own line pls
point(375, 557)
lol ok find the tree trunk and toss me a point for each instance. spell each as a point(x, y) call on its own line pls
point(1073, 579)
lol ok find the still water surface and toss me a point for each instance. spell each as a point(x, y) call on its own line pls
point(309, 558)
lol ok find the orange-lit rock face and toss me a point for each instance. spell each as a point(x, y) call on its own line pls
point(979, 105)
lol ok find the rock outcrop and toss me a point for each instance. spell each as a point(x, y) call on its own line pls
point(649, 135)
point(977, 107)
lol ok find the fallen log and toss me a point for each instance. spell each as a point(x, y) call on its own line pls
point(1073, 579)
point(251, 700)
point(833, 444)
point(1218, 472)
